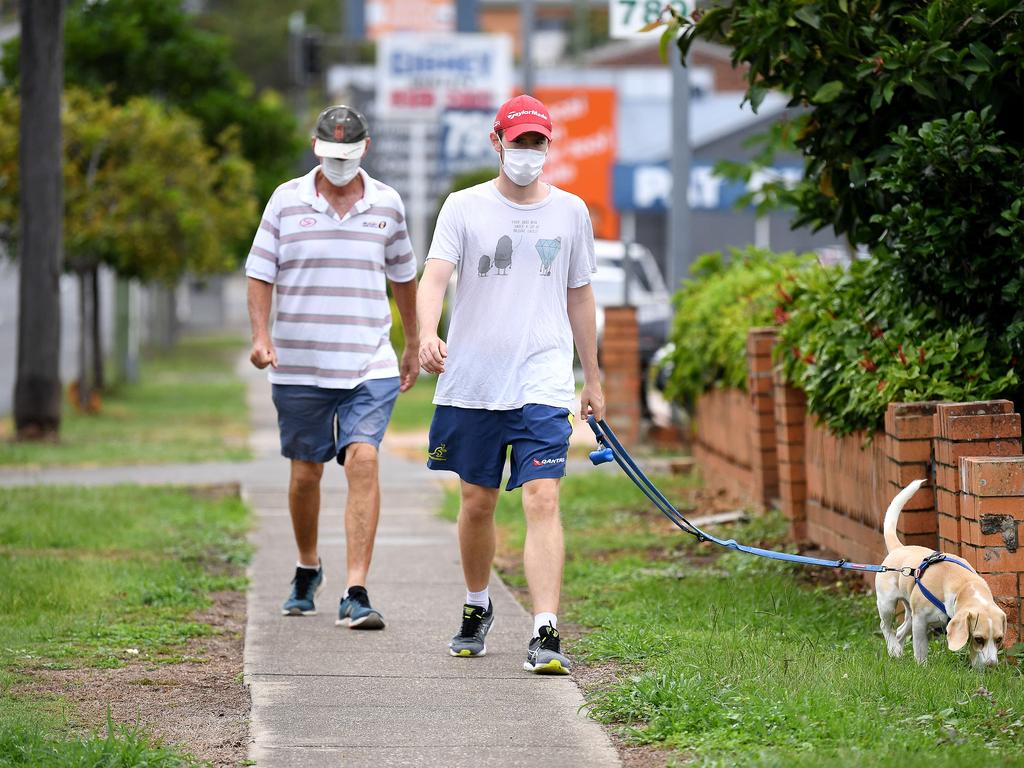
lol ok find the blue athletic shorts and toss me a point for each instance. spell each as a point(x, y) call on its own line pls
point(473, 443)
point(317, 423)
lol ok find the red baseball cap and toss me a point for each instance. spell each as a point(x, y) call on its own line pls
point(522, 114)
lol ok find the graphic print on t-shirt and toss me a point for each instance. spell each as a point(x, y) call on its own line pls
point(503, 255)
point(548, 250)
point(502, 260)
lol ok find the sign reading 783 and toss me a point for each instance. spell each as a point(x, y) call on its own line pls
point(627, 17)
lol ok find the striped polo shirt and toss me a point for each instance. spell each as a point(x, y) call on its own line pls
point(333, 317)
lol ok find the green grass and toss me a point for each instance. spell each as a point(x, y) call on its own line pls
point(414, 409)
point(188, 406)
point(737, 660)
point(95, 577)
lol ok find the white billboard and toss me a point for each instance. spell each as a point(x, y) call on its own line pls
point(422, 75)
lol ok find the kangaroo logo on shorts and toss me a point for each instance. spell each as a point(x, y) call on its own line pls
point(545, 462)
point(440, 453)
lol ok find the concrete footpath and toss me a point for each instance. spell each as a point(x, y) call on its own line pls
point(330, 696)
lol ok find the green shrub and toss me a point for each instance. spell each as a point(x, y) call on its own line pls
point(714, 311)
point(854, 344)
point(955, 226)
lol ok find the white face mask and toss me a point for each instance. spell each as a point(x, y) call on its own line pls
point(523, 166)
point(339, 172)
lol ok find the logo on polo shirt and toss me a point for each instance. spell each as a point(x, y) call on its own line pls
point(309, 221)
point(375, 224)
point(545, 462)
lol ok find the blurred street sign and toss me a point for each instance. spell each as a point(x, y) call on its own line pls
point(421, 75)
point(583, 149)
point(384, 17)
point(648, 186)
point(466, 140)
point(627, 17)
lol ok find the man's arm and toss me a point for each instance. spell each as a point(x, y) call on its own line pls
point(260, 295)
point(433, 284)
point(583, 320)
point(405, 298)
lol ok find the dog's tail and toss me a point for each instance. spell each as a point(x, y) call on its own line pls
point(892, 514)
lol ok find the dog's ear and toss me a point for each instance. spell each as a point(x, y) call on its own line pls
point(959, 629)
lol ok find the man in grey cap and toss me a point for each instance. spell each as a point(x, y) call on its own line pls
point(330, 241)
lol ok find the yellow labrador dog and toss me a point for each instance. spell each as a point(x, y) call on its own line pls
point(972, 615)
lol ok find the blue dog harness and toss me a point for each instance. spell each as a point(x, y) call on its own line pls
point(932, 559)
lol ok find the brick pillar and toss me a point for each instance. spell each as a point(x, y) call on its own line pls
point(909, 429)
point(764, 459)
point(790, 418)
point(984, 428)
point(620, 358)
point(992, 523)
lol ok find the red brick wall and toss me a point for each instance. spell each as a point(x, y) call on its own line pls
point(909, 430)
point(620, 361)
point(723, 426)
point(991, 526)
point(834, 490)
point(988, 428)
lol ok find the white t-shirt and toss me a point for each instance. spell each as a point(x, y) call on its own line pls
point(509, 340)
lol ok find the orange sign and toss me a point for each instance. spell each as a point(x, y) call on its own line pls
point(582, 150)
point(386, 16)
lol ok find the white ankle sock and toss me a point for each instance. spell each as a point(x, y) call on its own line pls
point(542, 620)
point(480, 599)
point(308, 567)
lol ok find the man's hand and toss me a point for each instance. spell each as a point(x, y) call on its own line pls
point(409, 367)
point(591, 402)
point(263, 353)
point(433, 352)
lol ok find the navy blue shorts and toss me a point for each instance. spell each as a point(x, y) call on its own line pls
point(317, 423)
point(473, 443)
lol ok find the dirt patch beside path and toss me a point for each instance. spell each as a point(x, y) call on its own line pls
point(200, 705)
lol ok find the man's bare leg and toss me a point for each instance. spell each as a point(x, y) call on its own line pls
point(362, 509)
point(476, 534)
point(544, 551)
point(304, 506)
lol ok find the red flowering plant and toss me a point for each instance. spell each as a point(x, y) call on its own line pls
point(846, 343)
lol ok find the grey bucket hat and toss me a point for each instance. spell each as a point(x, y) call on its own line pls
point(341, 132)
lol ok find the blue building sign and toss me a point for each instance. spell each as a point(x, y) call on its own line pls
point(647, 187)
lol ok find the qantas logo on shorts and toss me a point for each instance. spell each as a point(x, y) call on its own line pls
point(440, 453)
point(545, 462)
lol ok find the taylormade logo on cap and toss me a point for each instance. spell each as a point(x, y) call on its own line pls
point(514, 115)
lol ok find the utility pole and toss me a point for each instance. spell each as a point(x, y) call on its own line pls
point(526, 48)
point(37, 386)
point(680, 247)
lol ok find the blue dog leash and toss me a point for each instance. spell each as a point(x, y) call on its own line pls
point(612, 450)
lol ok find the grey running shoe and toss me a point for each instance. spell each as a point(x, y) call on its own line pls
point(305, 587)
point(543, 657)
point(476, 623)
point(355, 611)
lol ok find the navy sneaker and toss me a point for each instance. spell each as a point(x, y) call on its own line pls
point(305, 587)
point(355, 612)
point(544, 657)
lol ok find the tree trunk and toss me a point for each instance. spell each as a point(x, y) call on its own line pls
point(98, 378)
point(37, 389)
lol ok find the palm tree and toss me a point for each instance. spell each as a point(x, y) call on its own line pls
point(37, 390)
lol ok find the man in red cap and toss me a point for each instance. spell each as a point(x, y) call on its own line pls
point(525, 252)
